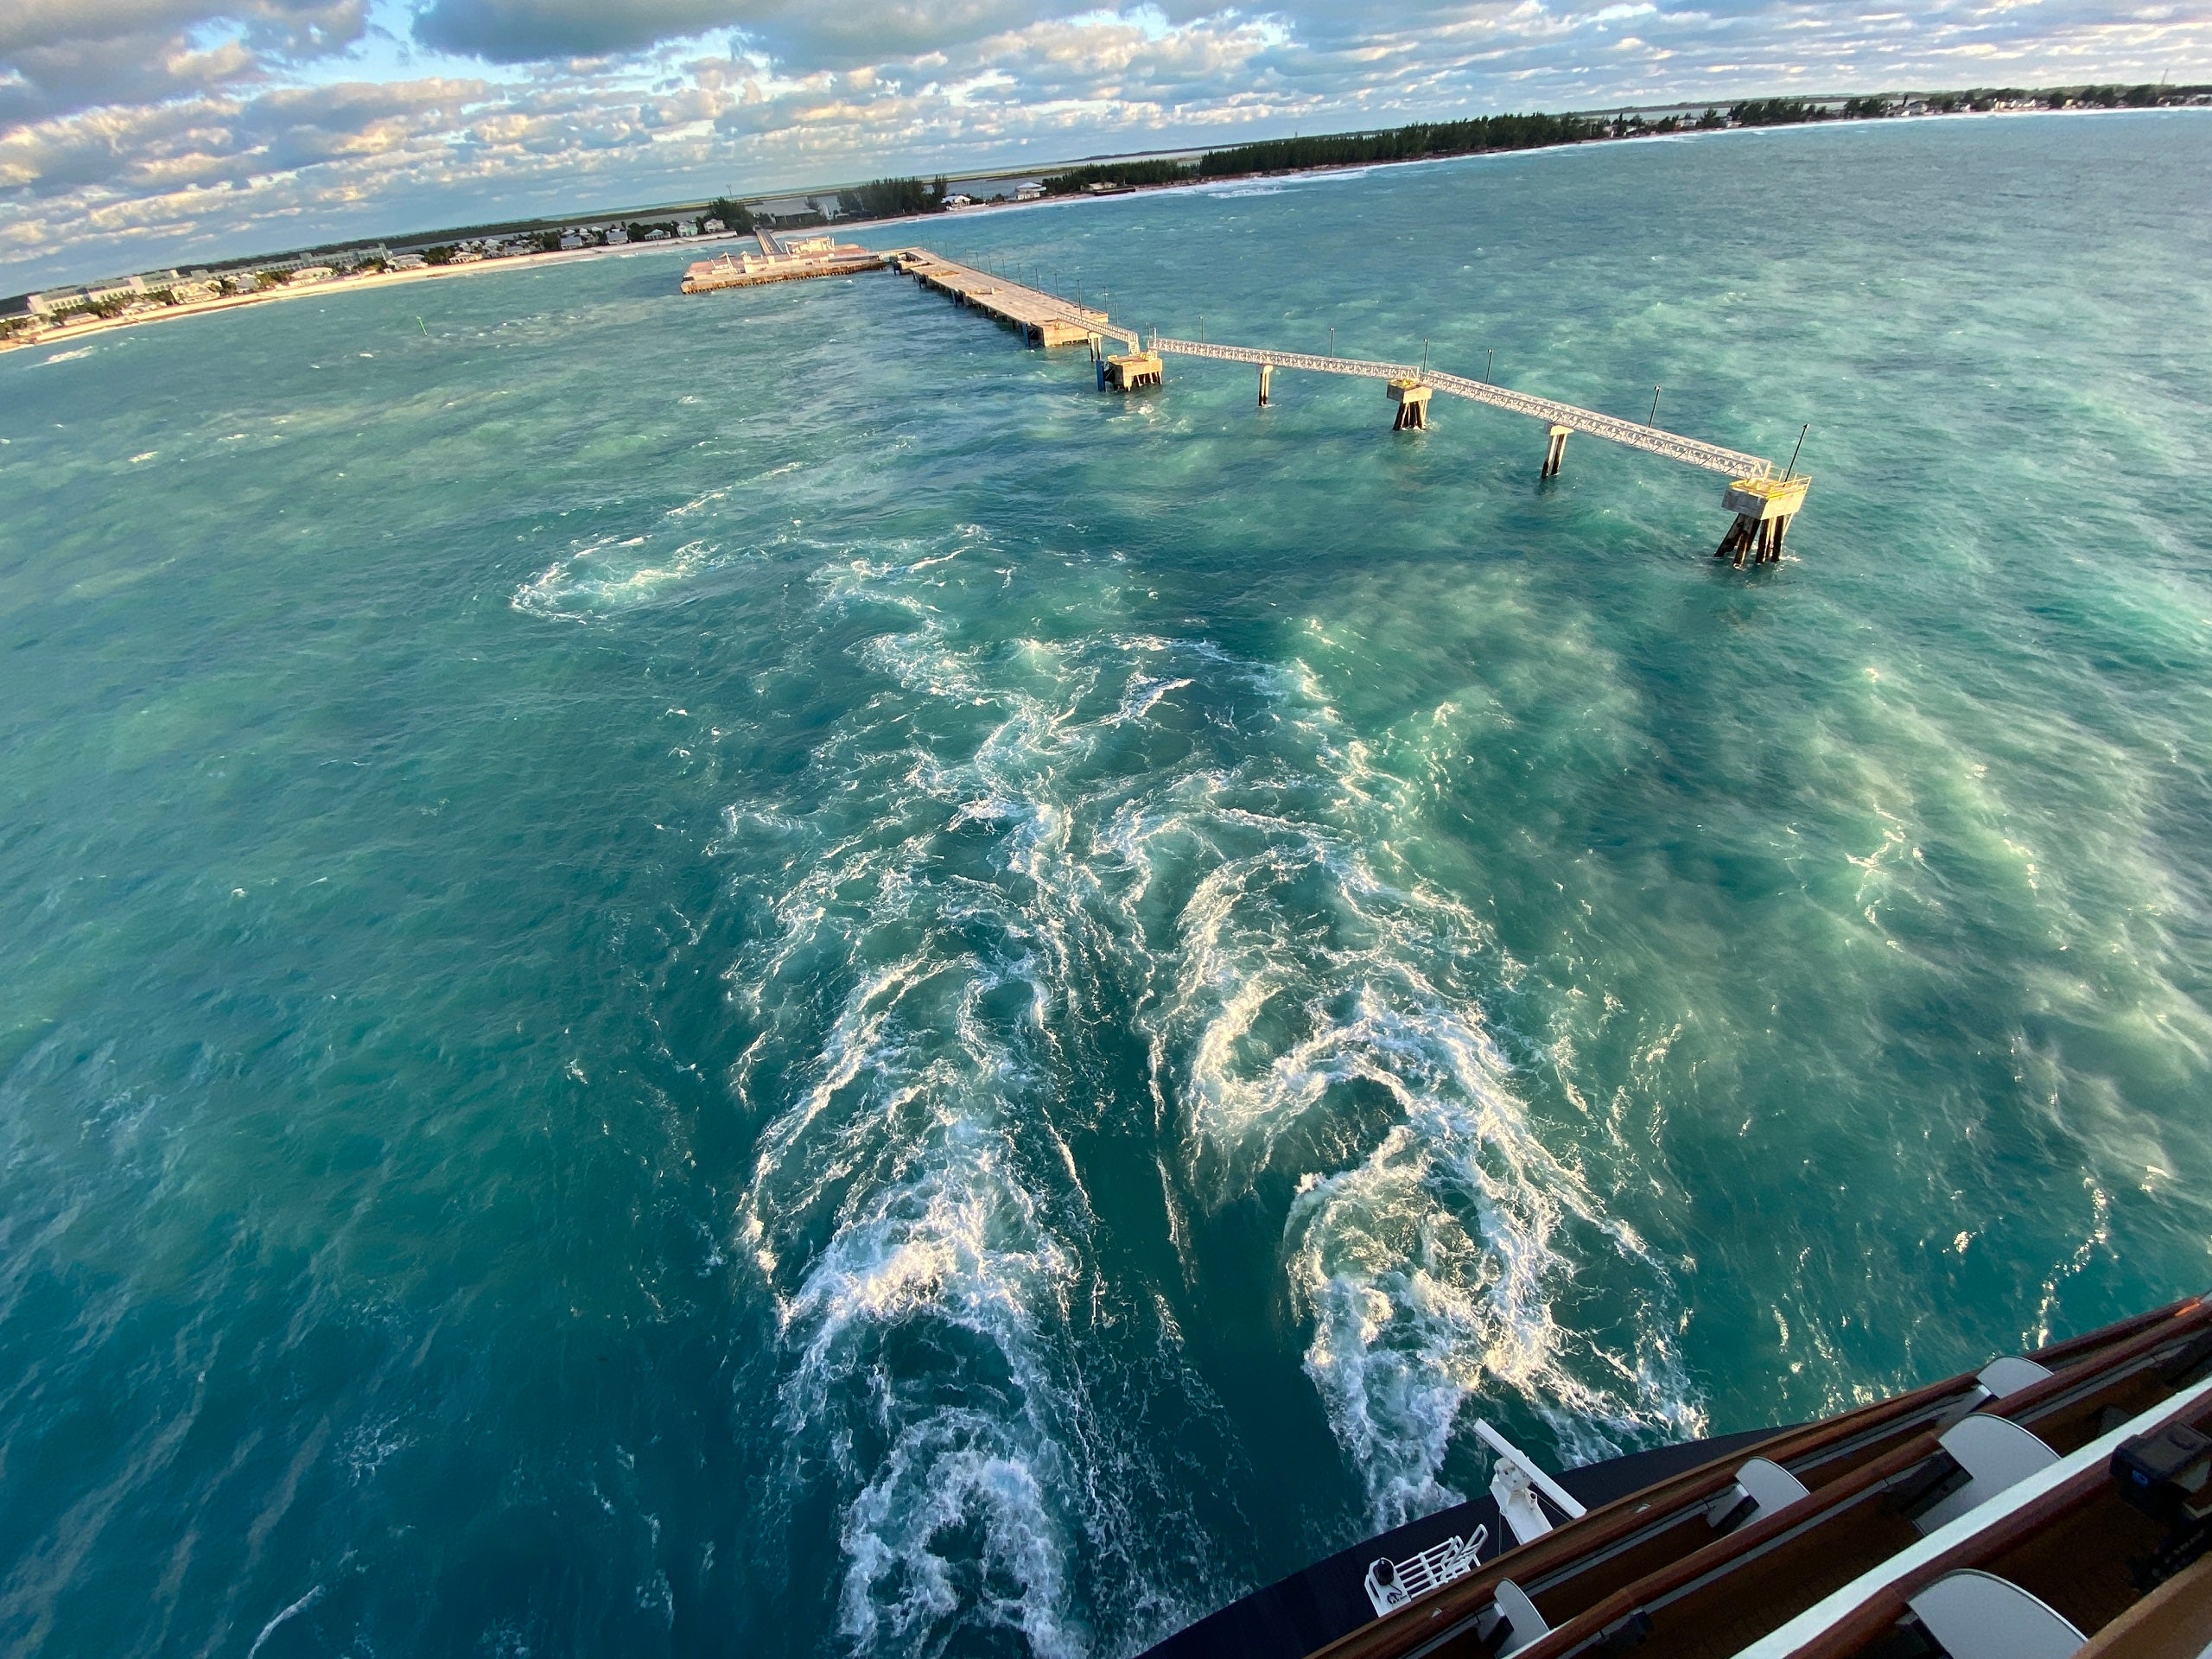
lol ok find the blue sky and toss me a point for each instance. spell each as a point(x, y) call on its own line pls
point(135, 132)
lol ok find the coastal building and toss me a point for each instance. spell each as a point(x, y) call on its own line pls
point(306, 274)
point(778, 210)
point(616, 236)
point(979, 190)
point(406, 262)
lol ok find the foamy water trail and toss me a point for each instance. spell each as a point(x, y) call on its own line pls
point(607, 574)
point(1156, 823)
point(919, 1219)
point(1321, 1017)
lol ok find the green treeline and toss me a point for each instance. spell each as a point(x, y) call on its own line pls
point(891, 198)
point(1774, 111)
point(733, 214)
point(1495, 132)
point(1410, 143)
point(1114, 175)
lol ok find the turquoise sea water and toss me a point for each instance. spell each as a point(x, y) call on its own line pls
point(746, 974)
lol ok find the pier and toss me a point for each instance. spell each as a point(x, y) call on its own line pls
point(750, 269)
point(1042, 319)
point(1763, 505)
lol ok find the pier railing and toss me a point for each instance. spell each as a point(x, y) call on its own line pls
point(1733, 463)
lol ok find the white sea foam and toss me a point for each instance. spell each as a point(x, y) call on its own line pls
point(611, 576)
point(1313, 1010)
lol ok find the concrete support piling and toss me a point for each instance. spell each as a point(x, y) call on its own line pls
point(1764, 508)
point(1555, 451)
point(1267, 375)
point(1131, 369)
point(1411, 399)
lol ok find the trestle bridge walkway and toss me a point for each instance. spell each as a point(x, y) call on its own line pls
point(1651, 440)
point(1763, 503)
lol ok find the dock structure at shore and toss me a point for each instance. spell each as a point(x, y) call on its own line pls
point(750, 269)
point(1763, 505)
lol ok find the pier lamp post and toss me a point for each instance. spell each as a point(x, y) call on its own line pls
point(1488, 357)
point(1652, 419)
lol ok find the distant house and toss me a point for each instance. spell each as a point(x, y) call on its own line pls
point(795, 210)
point(1029, 192)
point(713, 226)
point(616, 236)
point(953, 204)
point(686, 227)
point(306, 274)
point(407, 261)
point(572, 239)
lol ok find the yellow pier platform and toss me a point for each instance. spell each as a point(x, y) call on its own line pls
point(750, 269)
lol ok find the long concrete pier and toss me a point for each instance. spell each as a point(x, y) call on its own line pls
point(1763, 504)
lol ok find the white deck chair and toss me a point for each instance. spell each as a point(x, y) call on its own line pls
point(2010, 1374)
point(1977, 1615)
point(1523, 1623)
point(1995, 1452)
point(2001, 1379)
point(1765, 1486)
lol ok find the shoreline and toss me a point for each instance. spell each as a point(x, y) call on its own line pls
point(354, 285)
point(536, 261)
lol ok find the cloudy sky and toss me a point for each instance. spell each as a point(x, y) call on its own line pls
point(141, 132)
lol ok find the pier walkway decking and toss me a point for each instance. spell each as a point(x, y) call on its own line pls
point(1043, 319)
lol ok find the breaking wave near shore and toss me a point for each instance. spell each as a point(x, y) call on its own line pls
point(1038, 895)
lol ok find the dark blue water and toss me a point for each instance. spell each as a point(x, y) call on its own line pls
point(747, 975)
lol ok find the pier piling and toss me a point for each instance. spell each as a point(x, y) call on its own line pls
point(1267, 373)
point(1764, 508)
point(1411, 397)
point(1555, 451)
point(1131, 369)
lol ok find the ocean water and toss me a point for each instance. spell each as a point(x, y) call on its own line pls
point(747, 975)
